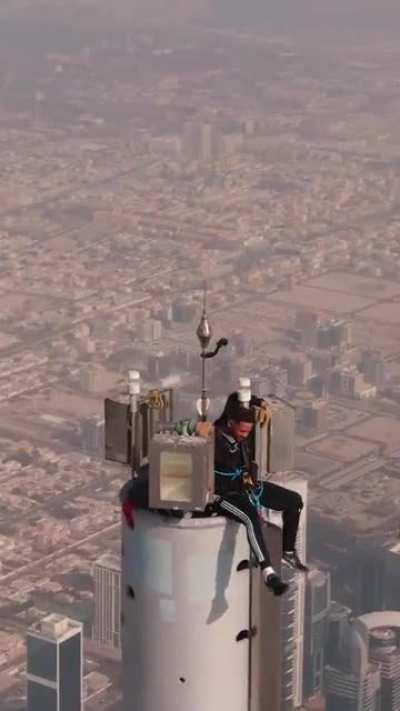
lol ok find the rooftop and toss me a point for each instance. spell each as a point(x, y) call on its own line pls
point(56, 627)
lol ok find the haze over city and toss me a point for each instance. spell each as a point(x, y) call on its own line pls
point(148, 148)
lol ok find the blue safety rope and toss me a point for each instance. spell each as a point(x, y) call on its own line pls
point(254, 495)
point(235, 474)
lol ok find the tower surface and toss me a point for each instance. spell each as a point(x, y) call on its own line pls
point(184, 603)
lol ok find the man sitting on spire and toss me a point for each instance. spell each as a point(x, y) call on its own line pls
point(240, 499)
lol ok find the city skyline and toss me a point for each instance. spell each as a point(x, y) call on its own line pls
point(253, 147)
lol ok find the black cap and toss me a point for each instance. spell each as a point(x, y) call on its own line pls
point(239, 413)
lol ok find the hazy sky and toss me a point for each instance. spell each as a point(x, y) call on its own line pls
point(305, 14)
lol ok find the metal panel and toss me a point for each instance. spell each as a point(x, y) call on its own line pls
point(261, 447)
point(274, 443)
point(191, 485)
point(282, 434)
point(147, 420)
point(117, 432)
point(121, 443)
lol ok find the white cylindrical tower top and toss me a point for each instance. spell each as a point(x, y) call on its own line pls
point(184, 604)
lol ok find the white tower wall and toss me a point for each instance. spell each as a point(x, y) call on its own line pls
point(179, 631)
point(293, 607)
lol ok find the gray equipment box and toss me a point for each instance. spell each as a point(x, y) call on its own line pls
point(181, 474)
point(274, 442)
point(127, 438)
point(118, 434)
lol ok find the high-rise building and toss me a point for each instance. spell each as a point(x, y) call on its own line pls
point(107, 616)
point(318, 601)
point(313, 415)
point(391, 593)
point(373, 367)
point(334, 333)
point(201, 141)
point(92, 435)
point(341, 333)
point(158, 365)
point(353, 692)
point(384, 651)
point(183, 310)
point(349, 382)
point(242, 344)
point(324, 337)
point(317, 386)
point(55, 665)
point(306, 323)
point(273, 380)
point(92, 378)
point(382, 632)
point(299, 370)
point(351, 681)
point(322, 361)
point(150, 330)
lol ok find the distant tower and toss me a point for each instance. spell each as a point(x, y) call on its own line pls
point(92, 435)
point(200, 141)
point(373, 367)
point(384, 651)
point(107, 616)
point(92, 378)
point(206, 142)
point(383, 630)
point(351, 681)
point(55, 665)
point(38, 101)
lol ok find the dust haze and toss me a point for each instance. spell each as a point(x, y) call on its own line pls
point(148, 147)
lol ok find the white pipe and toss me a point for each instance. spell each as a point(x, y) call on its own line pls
point(244, 392)
point(133, 388)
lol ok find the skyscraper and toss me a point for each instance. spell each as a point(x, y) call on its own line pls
point(201, 141)
point(107, 616)
point(384, 651)
point(382, 631)
point(351, 681)
point(55, 665)
point(373, 366)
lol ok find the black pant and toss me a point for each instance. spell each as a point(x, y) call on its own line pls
point(239, 507)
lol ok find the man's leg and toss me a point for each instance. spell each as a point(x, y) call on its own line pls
point(278, 498)
point(238, 507)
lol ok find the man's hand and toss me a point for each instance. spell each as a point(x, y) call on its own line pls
point(204, 429)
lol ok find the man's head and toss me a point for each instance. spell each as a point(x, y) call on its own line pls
point(240, 421)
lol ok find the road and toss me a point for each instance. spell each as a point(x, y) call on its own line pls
point(56, 554)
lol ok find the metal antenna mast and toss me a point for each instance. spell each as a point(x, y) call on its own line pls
point(204, 333)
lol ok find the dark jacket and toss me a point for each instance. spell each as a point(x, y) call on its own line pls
point(232, 460)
